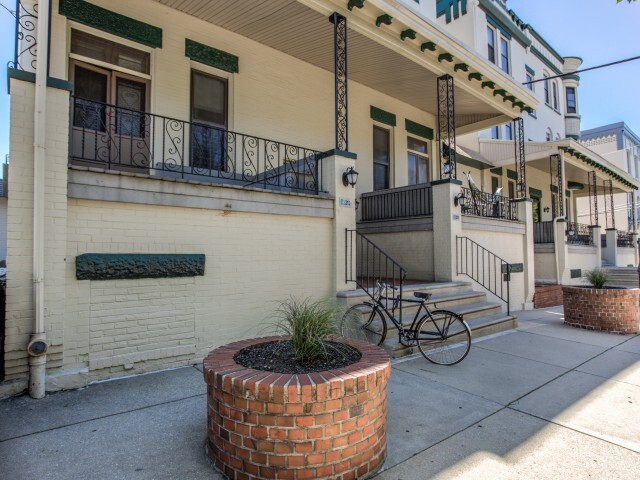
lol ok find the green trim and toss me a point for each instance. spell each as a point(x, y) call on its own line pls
point(385, 18)
point(545, 60)
point(445, 56)
point(418, 129)
point(512, 175)
point(383, 116)
point(461, 66)
point(355, 3)
point(210, 56)
point(444, 181)
point(530, 70)
point(428, 46)
point(547, 46)
point(535, 193)
point(408, 33)
point(496, 171)
point(514, 268)
point(499, 27)
point(30, 77)
point(111, 22)
point(476, 76)
point(339, 153)
point(471, 162)
point(500, 91)
point(489, 84)
point(573, 76)
point(114, 266)
point(576, 273)
point(502, 17)
point(554, 189)
point(444, 7)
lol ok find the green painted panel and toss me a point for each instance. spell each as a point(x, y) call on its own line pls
point(111, 22)
point(577, 273)
point(418, 129)
point(554, 189)
point(515, 268)
point(512, 174)
point(496, 171)
point(110, 266)
point(535, 193)
point(383, 116)
point(211, 56)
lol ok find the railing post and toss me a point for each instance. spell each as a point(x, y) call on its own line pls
point(596, 231)
point(341, 81)
point(447, 127)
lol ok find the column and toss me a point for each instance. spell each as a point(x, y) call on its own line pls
point(341, 81)
point(562, 253)
point(597, 242)
point(447, 226)
point(525, 214)
point(518, 141)
point(447, 127)
point(610, 252)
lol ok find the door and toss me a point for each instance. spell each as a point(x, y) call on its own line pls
point(208, 123)
point(381, 158)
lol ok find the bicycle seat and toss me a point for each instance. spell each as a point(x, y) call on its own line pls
point(424, 296)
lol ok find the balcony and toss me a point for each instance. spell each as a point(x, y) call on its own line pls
point(579, 234)
point(115, 138)
point(397, 203)
point(481, 204)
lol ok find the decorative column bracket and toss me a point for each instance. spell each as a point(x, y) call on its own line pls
point(447, 127)
point(555, 167)
point(593, 198)
point(521, 170)
point(341, 81)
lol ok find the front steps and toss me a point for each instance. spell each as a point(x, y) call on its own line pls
point(626, 277)
point(483, 317)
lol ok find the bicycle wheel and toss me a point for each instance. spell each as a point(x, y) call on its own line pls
point(443, 338)
point(363, 322)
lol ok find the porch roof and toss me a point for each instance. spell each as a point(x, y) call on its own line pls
point(579, 161)
point(378, 57)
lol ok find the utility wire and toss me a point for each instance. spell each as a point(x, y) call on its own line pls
point(584, 70)
point(8, 10)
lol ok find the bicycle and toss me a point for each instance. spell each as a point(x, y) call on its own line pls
point(442, 336)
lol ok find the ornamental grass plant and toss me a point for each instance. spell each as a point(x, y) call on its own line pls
point(597, 277)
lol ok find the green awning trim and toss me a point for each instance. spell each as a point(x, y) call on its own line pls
point(428, 46)
point(418, 129)
point(385, 18)
point(575, 186)
point(383, 116)
point(512, 174)
point(461, 66)
point(445, 56)
point(476, 76)
point(408, 33)
point(554, 189)
point(211, 56)
point(535, 193)
point(496, 171)
point(489, 84)
point(530, 70)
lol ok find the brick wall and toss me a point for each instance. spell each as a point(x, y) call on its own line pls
point(608, 310)
point(547, 296)
point(323, 425)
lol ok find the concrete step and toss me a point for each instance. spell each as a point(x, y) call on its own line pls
point(480, 327)
point(443, 291)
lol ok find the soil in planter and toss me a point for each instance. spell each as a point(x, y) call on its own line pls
point(279, 357)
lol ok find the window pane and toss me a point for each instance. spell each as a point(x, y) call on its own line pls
point(495, 133)
point(547, 96)
point(423, 169)
point(571, 100)
point(512, 190)
point(92, 86)
point(110, 52)
point(529, 79)
point(555, 95)
point(130, 95)
point(381, 158)
point(508, 134)
point(491, 44)
point(209, 100)
point(504, 53)
point(417, 145)
point(413, 171)
point(494, 184)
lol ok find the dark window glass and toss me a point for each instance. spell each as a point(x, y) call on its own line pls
point(512, 190)
point(90, 87)
point(491, 43)
point(110, 52)
point(508, 132)
point(417, 145)
point(555, 95)
point(547, 94)
point(209, 117)
point(494, 184)
point(495, 133)
point(571, 100)
point(381, 158)
point(529, 79)
point(504, 55)
point(130, 99)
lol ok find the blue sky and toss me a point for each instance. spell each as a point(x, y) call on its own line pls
point(599, 31)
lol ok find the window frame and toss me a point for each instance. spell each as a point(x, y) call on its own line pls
point(390, 133)
point(417, 154)
point(506, 56)
point(547, 89)
point(528, 78)
point(555, 97)
point(508, 131)
point(494, 32)
point(575, 100)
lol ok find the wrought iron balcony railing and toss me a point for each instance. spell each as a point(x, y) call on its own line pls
point(625, 240)
point(26, 40)
point(403, 202)
point(543, 232)
point(579, 234)
point(117, 138)
point(483, 204)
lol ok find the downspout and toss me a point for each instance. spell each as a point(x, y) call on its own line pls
point(37, 348)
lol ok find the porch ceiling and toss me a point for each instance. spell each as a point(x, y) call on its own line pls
point(304, 33)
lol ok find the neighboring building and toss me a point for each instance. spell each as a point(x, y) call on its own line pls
point(223, 136)
point(4, 183)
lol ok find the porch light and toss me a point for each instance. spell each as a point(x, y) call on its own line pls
point(447, 168)
point(350, 177)
point(458, 199)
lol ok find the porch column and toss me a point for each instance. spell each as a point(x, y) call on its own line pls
point(333, 166)
point(447, 225)
point(557, 181)
point(593, 198)
point(341, 81)
point(636, 249)
point(610, 252)
point(447, 127)
point(596, 231)
point(518, 140)
point(562, 253)
point(525, 214)
point(608, 209)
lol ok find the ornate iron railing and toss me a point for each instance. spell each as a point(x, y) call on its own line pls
point(625, 240)
point(366, 264)
point(543, 232)
point(579, 234)
point(411, 201)
point(483, 204)
point(26, 40)
point(484, 267)
point(117, 138)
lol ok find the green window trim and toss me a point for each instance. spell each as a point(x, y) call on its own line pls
point(111, 22)
point(512, 175)
point(530, 70)
point(383, 116)
point(211, 56)
point(496, 171)
point(535, 193)
point(498, 27)
point(418, 129)
point(554, 189)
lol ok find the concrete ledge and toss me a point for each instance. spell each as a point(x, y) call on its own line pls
point(109, 186)
point(544, 248)
point(412, 224)
point(582, 249)
point(493, 225)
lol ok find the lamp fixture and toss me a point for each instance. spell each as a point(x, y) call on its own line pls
point(350, 177)
point(457, 200)
point(546, 209)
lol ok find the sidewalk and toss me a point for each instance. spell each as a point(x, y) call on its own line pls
point(544, 401)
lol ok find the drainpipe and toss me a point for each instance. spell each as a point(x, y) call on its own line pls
point(37, 347)
point(564, 217)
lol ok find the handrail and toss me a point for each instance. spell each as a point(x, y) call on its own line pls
point(579, 234)
point(371, 266)
point(485, 268)
point(482, 204)
point(26, 37)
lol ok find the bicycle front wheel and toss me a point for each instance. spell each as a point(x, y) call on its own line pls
point(443, 337)
point(363, 322)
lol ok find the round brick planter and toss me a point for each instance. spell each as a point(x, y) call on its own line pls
point(609, 310)
point(329, 424)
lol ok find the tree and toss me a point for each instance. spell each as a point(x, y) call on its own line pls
point(620, 1)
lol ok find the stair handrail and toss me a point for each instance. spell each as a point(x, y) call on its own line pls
point(479, 273)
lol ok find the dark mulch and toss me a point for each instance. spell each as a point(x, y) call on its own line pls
point(279, 357)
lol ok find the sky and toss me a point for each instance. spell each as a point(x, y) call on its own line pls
point(599, 31)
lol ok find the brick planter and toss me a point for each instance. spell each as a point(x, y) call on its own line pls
point(607, 309)
point(329, 424)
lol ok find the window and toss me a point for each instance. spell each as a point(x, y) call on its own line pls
point(549, 136)
point(418, 159)
point(495, 133)
point(571, 100)
point(555, 96)
point(381, 158)
point(536, 210)
point(547, 93)
point(491, 41)
point(508, 131)
point(512, 189)
point(528, 79)
point(504, 55)
point(90, 46)
point(495, 182)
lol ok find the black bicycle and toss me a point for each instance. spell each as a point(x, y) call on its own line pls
point(443, 337)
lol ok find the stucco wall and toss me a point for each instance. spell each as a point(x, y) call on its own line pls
point(626, 257)
point(413, 250)
point(545, 267)
point(3, 228)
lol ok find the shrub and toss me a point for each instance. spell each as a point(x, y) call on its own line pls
point(309, 324)
point(597, 277)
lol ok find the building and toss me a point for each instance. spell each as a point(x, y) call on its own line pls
point(177, 167)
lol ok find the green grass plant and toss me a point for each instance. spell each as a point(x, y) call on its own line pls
point(597, 277)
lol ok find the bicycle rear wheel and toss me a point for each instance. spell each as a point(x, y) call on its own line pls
point(443, 338)
point(363, 322)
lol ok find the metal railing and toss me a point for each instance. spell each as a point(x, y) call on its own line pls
point(579, 234)
point(483, 204)
point(543, 232)
point(117, 138)
point(366, 264)
point(26, 40)
point(625, 240)
point(411, 201)
point(485, 268)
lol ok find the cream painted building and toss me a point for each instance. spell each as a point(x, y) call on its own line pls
point(179, 167)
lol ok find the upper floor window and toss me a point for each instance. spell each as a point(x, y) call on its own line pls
point(549, 135)
point(495, 133)
point(555, 95)
point(547, 91)
point(491, 44)
point(508, 132)
point(571, 100)
point(504, 55)
point(528, 80)
point(86, 45)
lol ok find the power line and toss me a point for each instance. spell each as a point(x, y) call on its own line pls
point(584, 70)
point(7, 9)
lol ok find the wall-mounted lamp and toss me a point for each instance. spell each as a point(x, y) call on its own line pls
point(447, 168)
point(546, 209)
point(350, 177)
point(458, 199)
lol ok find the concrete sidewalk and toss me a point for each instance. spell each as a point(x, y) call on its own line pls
point(544, 401)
